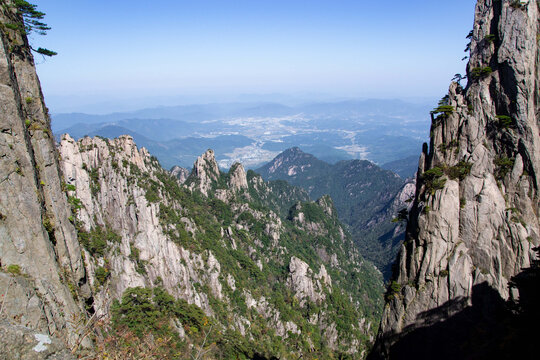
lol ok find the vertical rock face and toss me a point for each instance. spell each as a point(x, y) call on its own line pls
point(205, 172)
point(237, 177)
point(474, 219)
point(39, 253)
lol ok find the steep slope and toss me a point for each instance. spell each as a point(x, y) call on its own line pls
point(40, 258)
point(474, 221)
point(366, 197)
point(218, 255)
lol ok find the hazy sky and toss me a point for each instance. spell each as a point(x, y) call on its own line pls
point(113, 50)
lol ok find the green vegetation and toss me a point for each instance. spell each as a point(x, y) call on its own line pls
point(434, 178)
point(444, 147)
point(32, 23)
point(503, 165)
point(102, 275)
point(402, 216)
point(346, 183)
point(14, 269)
point(441, 112)
point(95, 187)
point(459, 171)
point(443, 109)
point(444, 273)
point(212, 215)
point(253, 236)
point(393, 290)
point(505, 121)
point(135, 256)
point(70, 187)
point(481, 72)
point(76, 204)
point(96, 241)
point(490, 38)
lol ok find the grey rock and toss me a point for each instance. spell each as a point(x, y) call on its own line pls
point(476, 231)
point(35, 232)
point(22, 343)
point(180, 173)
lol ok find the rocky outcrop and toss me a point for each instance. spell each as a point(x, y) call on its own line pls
point(474, 221)
point(19, 342)
point(113, 181)
point(180, 173)
point(237, 177)
point(306, 284)
point(366, 198)
point(38, 243)
point(205, 172)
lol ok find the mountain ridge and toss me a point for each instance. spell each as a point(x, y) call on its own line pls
point(367, 197)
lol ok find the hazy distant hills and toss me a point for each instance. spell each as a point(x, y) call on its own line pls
point(254, 133)
point(172, 152)
point(366, 197)
point(406, 168)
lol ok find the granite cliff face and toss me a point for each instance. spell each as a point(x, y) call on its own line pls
point(40, 257)
point(474, 220)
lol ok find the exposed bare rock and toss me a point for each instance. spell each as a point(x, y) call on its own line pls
point(22, 343)
point(36, 237)
point(205, 172)
point(107, 178)
point(305, 283)
point(237, 177)
point(180, 173)
point(474, 220)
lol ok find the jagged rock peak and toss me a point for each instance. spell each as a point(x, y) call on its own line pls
point(473, 223)
point(238, 177)
point(180, 173)
point(205, 172)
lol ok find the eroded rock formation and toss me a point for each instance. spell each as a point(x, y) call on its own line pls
point(474, 221)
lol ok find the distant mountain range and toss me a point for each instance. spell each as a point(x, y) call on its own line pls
point(366, 197)
point(254, 133)
point(406, 168)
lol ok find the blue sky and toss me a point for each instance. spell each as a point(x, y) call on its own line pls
point(112, 51)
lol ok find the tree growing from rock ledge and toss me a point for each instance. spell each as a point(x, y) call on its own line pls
point(32, 23)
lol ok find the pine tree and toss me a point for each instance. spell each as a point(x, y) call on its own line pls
point(32, 23)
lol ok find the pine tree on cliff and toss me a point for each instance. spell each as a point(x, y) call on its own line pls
point(32, 23)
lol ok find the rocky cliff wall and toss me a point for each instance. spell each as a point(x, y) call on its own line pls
point(39, 254)
point(474, 221)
